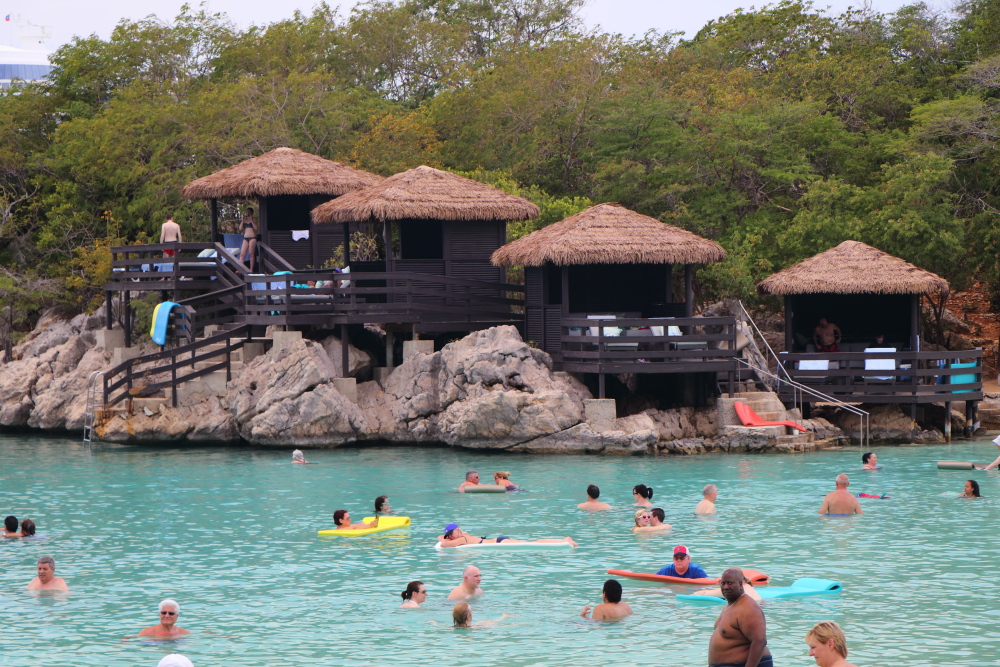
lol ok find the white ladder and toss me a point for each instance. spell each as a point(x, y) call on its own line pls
point(95, 398)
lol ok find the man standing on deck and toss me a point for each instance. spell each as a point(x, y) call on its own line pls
point(47, 579)
point(469, 588)
point(682, 565)
point(827, 336)
point(740, 636)
point(841, 501)
point(170, 232)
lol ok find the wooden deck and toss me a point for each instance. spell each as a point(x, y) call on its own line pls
point(887, 377)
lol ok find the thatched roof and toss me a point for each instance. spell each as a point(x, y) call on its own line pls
point(283, 171)
point(426, 193)
point(609, 234)
point(853, 268)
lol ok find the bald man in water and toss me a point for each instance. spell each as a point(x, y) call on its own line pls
point(469, 588)
point(740, 636)
point(841, 501)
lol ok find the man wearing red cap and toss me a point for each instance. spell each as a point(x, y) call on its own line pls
point(682, 565)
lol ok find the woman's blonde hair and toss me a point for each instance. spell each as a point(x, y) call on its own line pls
point(826, 630)
point(638, 513)
point(461, 615)
point(502, 474)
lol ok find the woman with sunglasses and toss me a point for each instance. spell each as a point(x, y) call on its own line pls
point(414, 594)
point(643, 494)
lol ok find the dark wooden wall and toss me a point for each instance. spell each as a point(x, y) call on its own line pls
point(615, 288)
point(282, 214)
point(859, 316)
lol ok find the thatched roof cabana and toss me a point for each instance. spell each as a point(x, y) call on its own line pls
point(609, 234)
point(853, 268)
point(425, 193)
point(283, 171)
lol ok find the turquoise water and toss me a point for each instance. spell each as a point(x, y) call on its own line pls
point(230, 534)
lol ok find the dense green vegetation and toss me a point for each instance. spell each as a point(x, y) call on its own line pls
point(778, 132)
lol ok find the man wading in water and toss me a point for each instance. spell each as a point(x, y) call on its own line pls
point(740, 636)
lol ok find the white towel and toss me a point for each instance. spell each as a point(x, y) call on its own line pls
point(300, 234)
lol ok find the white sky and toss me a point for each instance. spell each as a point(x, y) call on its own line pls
point(67, 18)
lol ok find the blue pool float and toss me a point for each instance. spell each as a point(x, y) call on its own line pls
point(799, 588)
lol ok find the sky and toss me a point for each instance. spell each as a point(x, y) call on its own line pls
point(69, 18)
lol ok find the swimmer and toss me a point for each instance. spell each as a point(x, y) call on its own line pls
point(382, 504)
point(650, 521)
point(166, 628)
point(47, 579)
point(298, 457)
point(641, 520)
point(995, 464)
point(682, 565)
point(707, 504)
point(10, 527)
point(612, 609)
point(27, 528)
point(414, 594)
point(343, 520)
point(971, 489)
point(740, 636)
point(869, 461)
point(656, 517)
point(174, 660)
point(471, 479)
point(456, 537)
point(502, 478)
point(828, 645)
point(841, 501)
point(717, 592)
point(643, 494)
point(592, 504)
point(469, 588)
point(461, 616)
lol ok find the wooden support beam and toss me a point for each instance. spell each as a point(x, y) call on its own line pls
point(215, 221)
point(345, 352)
point(947, 422)
point(688, 290)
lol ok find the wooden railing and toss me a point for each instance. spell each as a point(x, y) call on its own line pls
point(891, 377)
point(378, 297)
point(648, 345)
point(165, 370)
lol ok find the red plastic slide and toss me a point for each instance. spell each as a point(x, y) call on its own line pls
point(753, 575)
point(751, 418)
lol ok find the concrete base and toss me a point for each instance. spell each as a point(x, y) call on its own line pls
point(381, 373)
point(211, 329)
point(600, 413)
point(109, 339)
point(200, 389)
point(348, 387)
point(252, 351)
point(121, 354)
point(283, 339)
point(412, 347)
point(725, 412)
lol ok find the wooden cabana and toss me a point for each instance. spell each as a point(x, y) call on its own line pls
point(613, 268)
point(867, 293)
point(287, 184)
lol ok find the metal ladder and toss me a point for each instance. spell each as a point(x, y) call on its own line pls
point(95, 398)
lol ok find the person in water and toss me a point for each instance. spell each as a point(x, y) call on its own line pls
point(717, 591)
point(592, 503)
point(612, 608)
point(656, 517)
point(47, 579)
point(502, 478)
point(342, 518)
point(996, 463)
point(740, 636)
point(841, 501)
point(461, 616)
point(10, 527)
point(643, 494)
point(650, 521)
point(682, 565)
point(641, 520)
point(27, 528)
point(298, 457)
point(971, 489)
point(456, 537)
point(707, 504)
point(470, 586)
point(471, 479)
point(170, 612)
point(414, 594)
point(382, 504)
point(828, 645)
point(869, 461)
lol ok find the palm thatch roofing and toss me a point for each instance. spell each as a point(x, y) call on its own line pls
point(853, 268)
point(609, 234)
point(425, 193)
point(283, 171)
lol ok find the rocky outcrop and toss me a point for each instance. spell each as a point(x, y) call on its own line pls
point(888, 424)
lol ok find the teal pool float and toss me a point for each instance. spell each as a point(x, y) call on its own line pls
point(799, 588)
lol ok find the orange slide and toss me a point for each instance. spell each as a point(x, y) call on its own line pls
point(751, 418)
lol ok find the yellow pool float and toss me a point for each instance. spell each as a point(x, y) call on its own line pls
point(384, 523)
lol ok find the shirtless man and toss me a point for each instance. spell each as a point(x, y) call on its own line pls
point(740, 636)
point(593, 504)
point(826, 336)
point(612, 608)
point(170, 232)
point(165, 629)
point(656, 525)
point(707, 504)
point(841, 501)
point(471, 479)
point(469, 588)
point(343, 520)
point(10, 527)
point(47, 579)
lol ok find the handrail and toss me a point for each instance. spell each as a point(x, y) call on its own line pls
point(273, 258)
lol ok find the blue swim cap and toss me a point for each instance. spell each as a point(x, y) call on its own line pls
point(450, 527)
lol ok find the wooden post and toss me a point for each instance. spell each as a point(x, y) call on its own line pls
point(109, 318)
point(789, 337)
point(347, 244)
point(215, 220)
point(947, 422)
point(600, 385)
point(390, 348)
point(127, 317)
point(345, 352)
point(565, 290)
point(670, 284)
point(688, 290)
point(915, 324)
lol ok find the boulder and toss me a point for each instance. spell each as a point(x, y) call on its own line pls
point(208, 421)
point(316, 418)
point(359, 362)
point(278, 376)
point(631, 436)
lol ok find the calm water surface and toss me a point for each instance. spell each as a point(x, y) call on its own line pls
point(232, 536)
